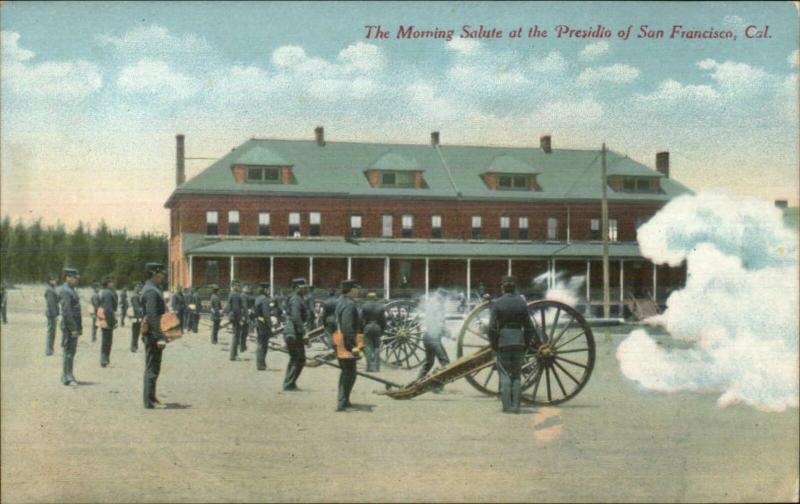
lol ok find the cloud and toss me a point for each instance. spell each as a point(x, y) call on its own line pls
point(155, 77)
point(734, 23)
point(617, 74)
point(735, 78)
point(553, 63)
point(156, 42)
point(593, 51)
point(671, 92)
point(794, 58)
point(9, 42)
point(464, 46)
point(362, 57)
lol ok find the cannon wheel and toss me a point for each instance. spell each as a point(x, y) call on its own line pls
point(555, 369)
point(401, 345)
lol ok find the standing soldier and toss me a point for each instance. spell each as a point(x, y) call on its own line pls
point(432, 339)
point(310, 306)
point(153, 339)
point(51, 312)
point(373, 321)
point(216, 313)
point(3, 303)
point(263, 313)
point(136, 325)
point(123, 305)
point(294, 333)
point(235, 310)
point(510, 333)
point(108, 302)
point(347, 320)
point(329, 317)
point(71, 324)
point(249, 317)
point(196, 311)
point(95, 305)
point(179, 306)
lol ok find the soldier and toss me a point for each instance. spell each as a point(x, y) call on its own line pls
point(51, 312)
point(294, 333)
point(510, 334)
point(95, 305)
point(347, 320)
point(71, 324)
point(179, 306)
point(196, 310)
point(373, 320)
point(310, 306)
point(123, 305)
point(216, 313)
point(263, 314)
point(108, 301)
point(249, 303)
point(136, 325)
point(329, 317)
point(432, 339)
point(235, 311)
point(3, 303)
point(153, 339)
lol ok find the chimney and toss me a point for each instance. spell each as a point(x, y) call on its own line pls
point(662, 162)
point(545, 144)
point(319, 135)
point(781, 203)
point(434, 138)
point(180, 161)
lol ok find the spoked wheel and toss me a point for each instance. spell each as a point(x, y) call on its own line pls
point(474, 336)
point(401, 345)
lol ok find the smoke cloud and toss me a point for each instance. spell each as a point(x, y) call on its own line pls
point(739, 308)
point(565, 290)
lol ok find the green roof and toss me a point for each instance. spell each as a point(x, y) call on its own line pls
point(199, 245)
point(791, 217)
point(337, 168)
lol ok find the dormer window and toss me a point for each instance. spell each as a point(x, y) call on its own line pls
point(263, 174)
point(397, 179)
point(634, 184)
point(511, 181)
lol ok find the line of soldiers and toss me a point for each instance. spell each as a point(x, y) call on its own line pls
point(186, 304)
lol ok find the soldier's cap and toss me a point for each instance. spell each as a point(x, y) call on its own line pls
point(507, 280)
point(154, 267)
point(106, 279)
point(349, 284)
point(264, 285)
point(299, 282)
point(52, 276)
point(71, 272)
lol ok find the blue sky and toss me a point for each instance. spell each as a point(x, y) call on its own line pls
point(93, 94)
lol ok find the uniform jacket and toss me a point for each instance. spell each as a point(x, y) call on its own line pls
point(509, 322)
point(329, 312)
point(178, 302)
point(216, 307)
point(348, 321)
point(136, 305)
point(153, 306)
point(70, 309)
point(108, 300)
point(263, 312)
point(297, 316)
point(123, 299)
point(51, 302)
point(95, 301)
point(235, 306)
point(373, 316)
point(196, 301)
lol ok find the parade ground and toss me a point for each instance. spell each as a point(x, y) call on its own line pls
point(228, 433)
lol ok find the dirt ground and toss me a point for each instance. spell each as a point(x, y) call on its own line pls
point(229, 434)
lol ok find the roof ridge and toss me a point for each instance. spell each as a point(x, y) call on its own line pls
point(422, 144)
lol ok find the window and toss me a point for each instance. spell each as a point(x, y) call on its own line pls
point(595, 229)
point(355, 226)
point(314, 221)
point(212, 220)
point(522, 224)
point(642, 185)
point(505, 223)
point(629, 184)
point(408, 225)
point(263, 223)
point(260, 174)
point(513, 182)
point(294, 223)
point(397, 179)
point(640, 221)
point(233, 222)
point(476, 227)
point(612, 230)
point(552, 228)
point(388, 226)
point(212, 272)
point(436, 226)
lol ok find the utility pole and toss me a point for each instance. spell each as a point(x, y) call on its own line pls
point(604, 230)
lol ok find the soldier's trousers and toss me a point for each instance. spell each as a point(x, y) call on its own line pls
point(372, 347)
point(215, 331)
point(136, 327)
point(347, 378)
point(234, 338)
point(262, 339)
point(297, 361)
point(105, 346)
point(70, 346)
point(327, 336)
point(509, 367)
point(94, 328)
point(195, 322)
point(51, 336)
point(244, 327)
point(152, 368)
point(433, 350)
point(122, 318)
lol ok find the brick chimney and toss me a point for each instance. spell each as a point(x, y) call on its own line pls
point(662, 163)
point(545, 143)
point(319, 135)
point(781, 203)
point(434, 138)
point(180, 161)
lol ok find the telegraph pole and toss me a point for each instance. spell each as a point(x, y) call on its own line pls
point(604, 230)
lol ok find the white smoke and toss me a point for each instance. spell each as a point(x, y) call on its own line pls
point(433, 310)
point(565, 290)
point(739, 306)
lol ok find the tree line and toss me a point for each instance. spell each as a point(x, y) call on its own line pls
point(28, 253)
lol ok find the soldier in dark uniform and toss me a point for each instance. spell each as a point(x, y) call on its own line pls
point(179, 306)
point(432, 339)
point(235, 311)
point(95, 305)
point(263, 314)
point(329, 317)
point(108, 301)
point(195, 310)
point(51, 312)
point(249, 318)
point(373, 320)
point(294, 333)
point(510, 334)
point(71, 324)
point(153, 339)
point(137, 313)
point(216, 313)
point(123, 305)
point(3, 303)
point(310, 306)
point(347, 320)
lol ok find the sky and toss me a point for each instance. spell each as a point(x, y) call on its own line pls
point(93, 94)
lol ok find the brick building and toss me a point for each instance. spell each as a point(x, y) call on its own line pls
point(409, 218)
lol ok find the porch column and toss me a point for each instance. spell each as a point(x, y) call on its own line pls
point(311, 270)
point(621, 281)
point(349, 267)
point(509, 267)
point(191, 272)
point(231, 278)
point(655, 282)
point(588, 280)
point(271, 276)
point(386, 280)
point(427, 276)
point(553, 273)
point(469, 278)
